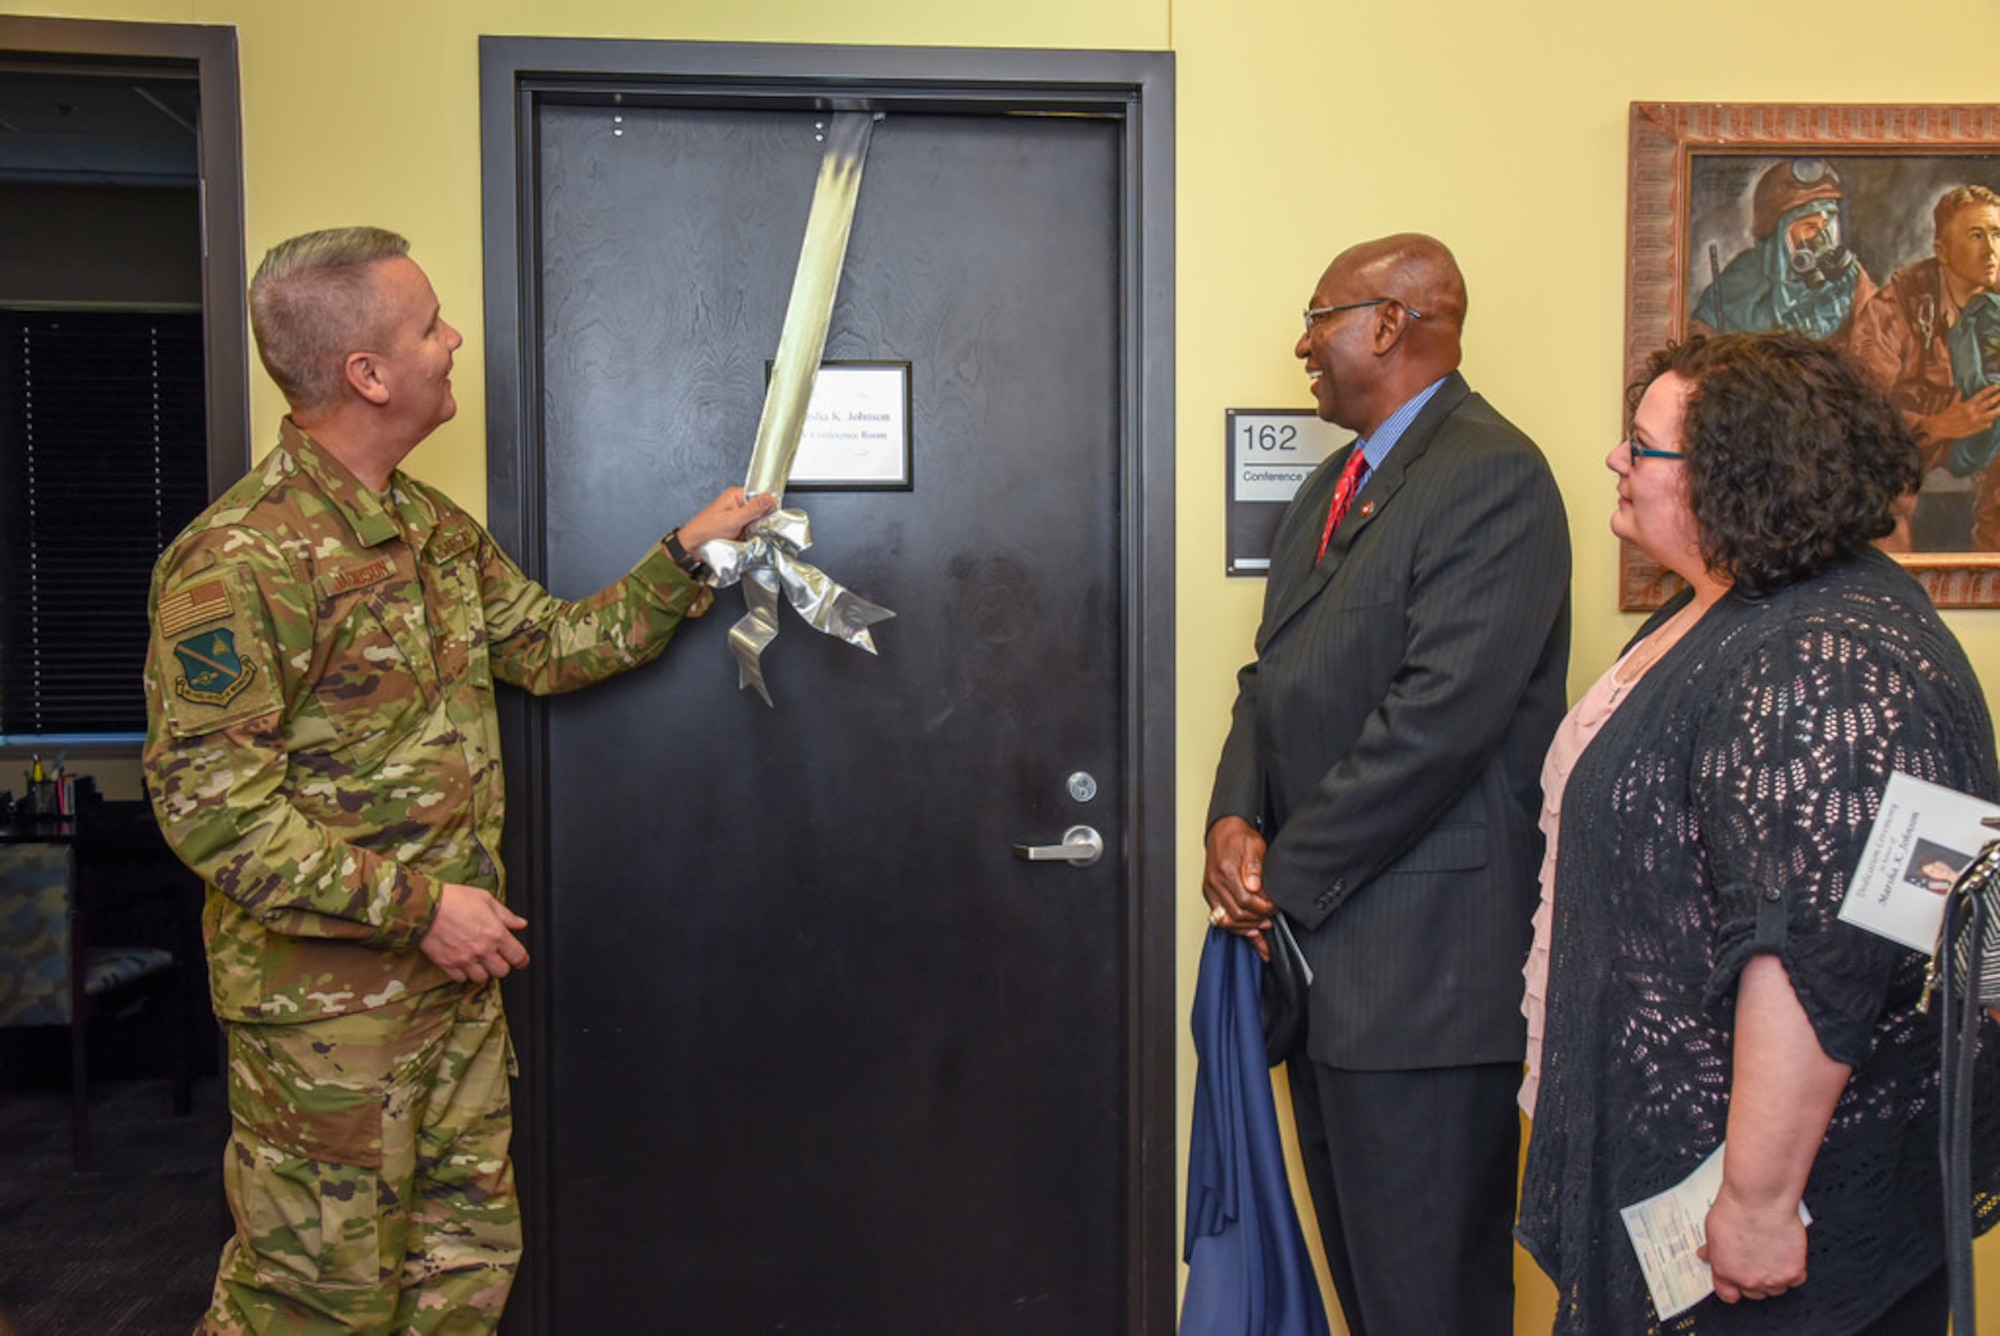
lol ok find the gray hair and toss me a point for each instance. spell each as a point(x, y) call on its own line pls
point(313, 302)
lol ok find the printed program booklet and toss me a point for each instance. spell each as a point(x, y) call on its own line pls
point(1667, 1231)
point(1923, 837)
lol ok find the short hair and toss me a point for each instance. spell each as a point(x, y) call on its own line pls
point(1795, 462)
point(313, 302)
point(1959, 197)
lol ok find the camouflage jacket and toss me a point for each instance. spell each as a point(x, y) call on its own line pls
point(322, 743)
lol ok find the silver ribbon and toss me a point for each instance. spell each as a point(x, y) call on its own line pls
point(768, 560)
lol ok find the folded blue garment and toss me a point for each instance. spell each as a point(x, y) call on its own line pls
point(1249, 1273)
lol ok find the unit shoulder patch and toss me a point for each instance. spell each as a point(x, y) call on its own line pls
point(209, 664)
point(212, 673)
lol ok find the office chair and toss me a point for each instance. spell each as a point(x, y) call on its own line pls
point(53, 972)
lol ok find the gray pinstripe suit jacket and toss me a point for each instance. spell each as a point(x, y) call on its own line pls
point(1388, 738)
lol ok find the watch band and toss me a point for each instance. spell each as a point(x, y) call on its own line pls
point(695, 567)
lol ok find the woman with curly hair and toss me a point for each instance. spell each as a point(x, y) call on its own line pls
point(1721, 780)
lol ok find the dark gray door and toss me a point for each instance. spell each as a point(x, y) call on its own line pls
point(814, 1050)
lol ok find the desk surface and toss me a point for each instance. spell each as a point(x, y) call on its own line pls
point(62, 830)
point(120, 825)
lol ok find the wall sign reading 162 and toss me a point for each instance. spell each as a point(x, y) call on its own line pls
point(1271, 452)
point(1261, 434)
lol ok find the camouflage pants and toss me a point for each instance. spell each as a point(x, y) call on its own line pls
point(368, 1172)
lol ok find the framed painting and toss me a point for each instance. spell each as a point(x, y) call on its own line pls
point(1869, 226)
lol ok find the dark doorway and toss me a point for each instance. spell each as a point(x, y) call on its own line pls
point(122, 390)
point(808, 1046)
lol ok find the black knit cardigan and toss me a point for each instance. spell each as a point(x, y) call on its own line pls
point(1717, 816)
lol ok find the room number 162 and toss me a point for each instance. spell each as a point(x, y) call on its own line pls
point(1277, 436)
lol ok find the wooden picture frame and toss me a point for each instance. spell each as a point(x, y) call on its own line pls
point(1696, 188)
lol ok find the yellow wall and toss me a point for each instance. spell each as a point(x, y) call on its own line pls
point(1303, 124)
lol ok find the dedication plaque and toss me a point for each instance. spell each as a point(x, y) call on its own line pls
point(857, 429)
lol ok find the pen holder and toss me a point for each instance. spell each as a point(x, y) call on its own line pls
point(41, 799)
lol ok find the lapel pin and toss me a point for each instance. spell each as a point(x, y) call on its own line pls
point(1367, 509)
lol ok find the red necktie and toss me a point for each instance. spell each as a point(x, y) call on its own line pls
point(1343, 496)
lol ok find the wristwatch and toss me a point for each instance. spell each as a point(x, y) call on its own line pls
point(694, 566)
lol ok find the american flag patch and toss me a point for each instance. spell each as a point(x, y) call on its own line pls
point(205, 602)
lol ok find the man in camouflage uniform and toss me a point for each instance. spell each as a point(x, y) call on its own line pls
point(322, 747)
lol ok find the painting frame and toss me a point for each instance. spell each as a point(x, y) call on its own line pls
point(1666, 138)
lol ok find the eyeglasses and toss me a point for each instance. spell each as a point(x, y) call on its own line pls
point(1640, 452)
point(1315, 314)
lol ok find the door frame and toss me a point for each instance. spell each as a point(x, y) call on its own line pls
point(516, 76)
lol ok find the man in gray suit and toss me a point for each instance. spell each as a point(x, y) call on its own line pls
point(1380, 789)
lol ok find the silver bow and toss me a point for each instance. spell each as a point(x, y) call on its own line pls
point(768, 561)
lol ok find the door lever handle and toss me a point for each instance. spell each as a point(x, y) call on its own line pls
point(1081, 847)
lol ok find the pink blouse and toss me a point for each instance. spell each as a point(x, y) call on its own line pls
point(1578, 727)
